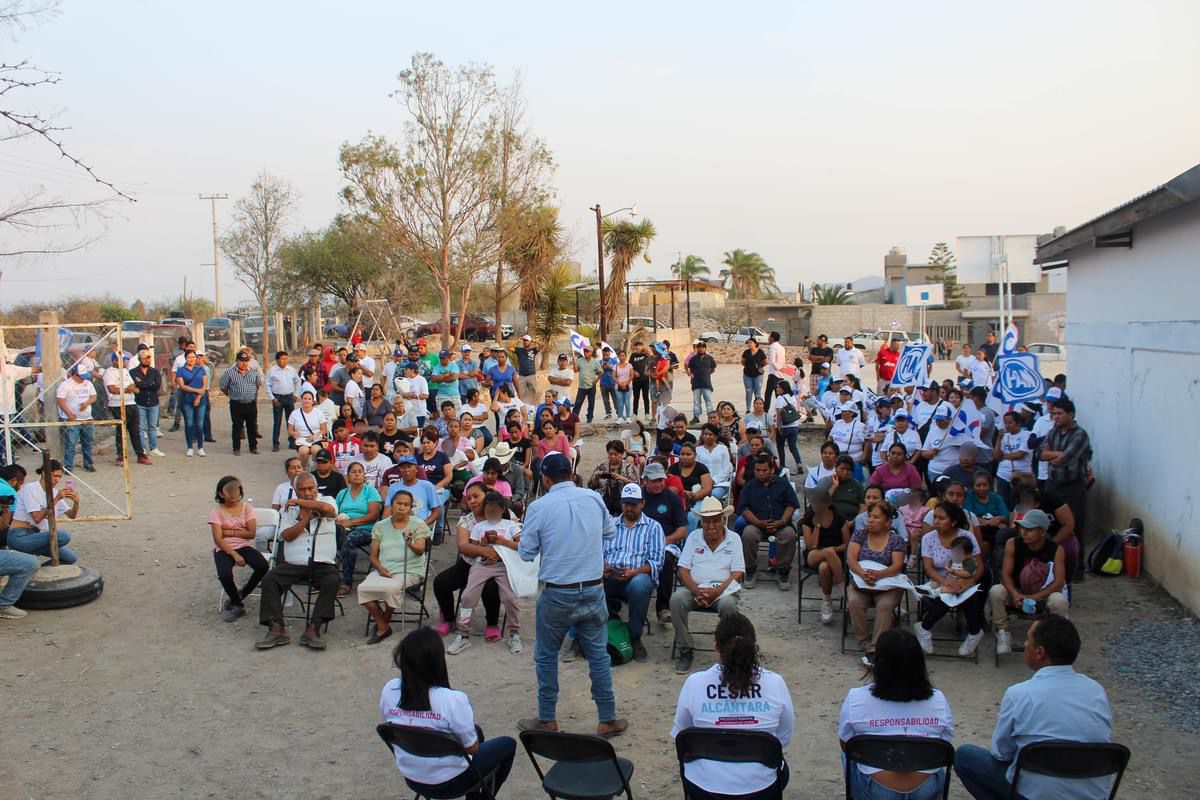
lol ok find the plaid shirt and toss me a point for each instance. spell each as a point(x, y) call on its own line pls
point(1076, 448)
point(242, 387)
point(632, 547)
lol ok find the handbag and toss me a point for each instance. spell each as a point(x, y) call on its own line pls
point(788, 415)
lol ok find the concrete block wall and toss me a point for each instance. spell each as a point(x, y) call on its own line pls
point(839, 321)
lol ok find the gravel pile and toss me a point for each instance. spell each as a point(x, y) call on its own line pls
point(1158, 659)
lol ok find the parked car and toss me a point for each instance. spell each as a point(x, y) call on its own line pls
point(740, 336)
point(186, 322)
point(337, 330)
point(1048, 350)
point(872, 341)
point(136, 325)
point(506, 330)
point(475, 329)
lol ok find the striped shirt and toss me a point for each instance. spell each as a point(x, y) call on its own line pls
point(242, 387)
point(643, 543)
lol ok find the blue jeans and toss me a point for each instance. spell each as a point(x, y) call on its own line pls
point(697, 396)
point(587, 610)
point(863, 787)
point(19, 567)
point(354, 538)
point(753, 389)
point(590, 394)
point(148, 416)
point(279, 415)
point(82, 435)
point(624, 397)
point(787, 436)
point(636, 591)
point(34, 542)
point(984, 776)
point(193, 421)
point(493, 756)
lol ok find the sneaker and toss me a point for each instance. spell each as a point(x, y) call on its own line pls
point(1003, 643)
point(570, 649)
point(683, 665)
point(695, 420)
point(12, 612)
point(639, 651)
point(143, 459)
point(826, 612)
point(751, 580)
point(188, 453)
point(785, 581)
point(459, 644)
point(967, 648)
point(157, 452)
point(664, 617)
point(89, 467)
point(608, 416)
point(514, 644)
point(232, 612)
point(925, 637)
point(201, 452)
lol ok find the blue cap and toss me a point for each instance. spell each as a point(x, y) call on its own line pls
point(399, 351)
point(406, 460)
point(555, 465)
point(883, 402)
point(444, 354)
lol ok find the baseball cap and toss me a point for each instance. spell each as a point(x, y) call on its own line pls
point(1053, 393)
point(142, 346)
point(654, 472)
point(466, 348)
point(421, 341)
point(444, 354)
point(846, 389)
point(406, 460)
point(527, 338)
point(562, 356)
point(836, 379)
point(710, 507)
point(901, 414)
point(587, 347)
point(361, 346)
point(243, 356)
point(399, 351)
point(699, 342)
point(1034, 518)
point(883, 402)
point(853, 409)
point(631, 493)
point(942, 412)
point(324, 457)
point(410, 364)
point(555, 465)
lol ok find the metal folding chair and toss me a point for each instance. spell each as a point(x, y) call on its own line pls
point(734, 747)
point(266, 520)
point(425, 743)
point(900, 754)
point(1059, 758)
point(586, 767)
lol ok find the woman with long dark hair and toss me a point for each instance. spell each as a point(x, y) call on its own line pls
point(736, 690)
point(422, 698)
point(950, 523)
point(900, 701)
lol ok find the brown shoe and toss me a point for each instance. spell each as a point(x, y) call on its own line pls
point(534, 724)
point(311, 638)
point(276, 636)
point(612, 728)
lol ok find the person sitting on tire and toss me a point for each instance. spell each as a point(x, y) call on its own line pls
point(1033, 578)
point(18, 567)
point(30, 529)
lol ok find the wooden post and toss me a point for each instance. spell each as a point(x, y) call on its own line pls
point(280, 341)
point(48, 486)
point(672, 307)
point(51, 374)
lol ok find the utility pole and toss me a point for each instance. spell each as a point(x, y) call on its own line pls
point(600, 266)
point(213, 198)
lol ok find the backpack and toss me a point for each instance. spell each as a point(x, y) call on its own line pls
point(1106, 557)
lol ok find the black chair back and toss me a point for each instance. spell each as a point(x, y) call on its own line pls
point(900, 754)
point(1059, 758)
point(570, 747)
point(584, 750)
point(421, 742)
point(735, 747)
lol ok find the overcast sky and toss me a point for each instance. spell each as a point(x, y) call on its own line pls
point(818, 134)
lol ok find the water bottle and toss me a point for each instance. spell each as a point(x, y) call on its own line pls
point(771, 552)
point(1029, 605)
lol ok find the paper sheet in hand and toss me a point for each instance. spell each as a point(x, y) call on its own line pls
point(899, 581)
point(522, 575)
point(952, 600)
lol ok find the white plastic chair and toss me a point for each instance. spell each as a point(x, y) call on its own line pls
point(266, 521)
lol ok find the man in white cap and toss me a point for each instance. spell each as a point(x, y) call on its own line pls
point(75, 396)
point(526, 354)
point(368, 365)
point(469, 373)
point(633, 560)
point(711, 567)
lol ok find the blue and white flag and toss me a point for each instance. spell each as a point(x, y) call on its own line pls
point(1018, 378)
point(964, 424)
point(1012, 336)
point(912, 368)
point(578, 341)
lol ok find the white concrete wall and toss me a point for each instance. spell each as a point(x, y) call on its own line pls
point(1133, 337)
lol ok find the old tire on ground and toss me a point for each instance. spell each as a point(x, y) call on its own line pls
point(63, 586)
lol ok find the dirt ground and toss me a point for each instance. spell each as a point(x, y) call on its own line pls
point(146, 693)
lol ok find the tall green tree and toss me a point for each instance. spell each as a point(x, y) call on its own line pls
point(340, 262)
point(944, 270)
point(832, 295)
point(689, 267)
point(554, 298)
point(748, 274)
point(534, 246)
point(624, 241)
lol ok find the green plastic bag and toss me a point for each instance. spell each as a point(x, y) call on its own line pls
point(620, 649)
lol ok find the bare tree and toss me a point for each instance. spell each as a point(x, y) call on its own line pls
point(253, 240)
point(434, 196)
point(34, 219)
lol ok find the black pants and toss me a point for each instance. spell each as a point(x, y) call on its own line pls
point(284, 576)
point(972, 607)
point(769, 393)
point(666, 582)
point(254, 560)
point(244, 413)
point(590, 394)
point(454, 578)
point(1074, 495)
point(641, 388)
point(279, 414)
point(133, 425)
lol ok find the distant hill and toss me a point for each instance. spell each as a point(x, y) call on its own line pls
point(868, 283)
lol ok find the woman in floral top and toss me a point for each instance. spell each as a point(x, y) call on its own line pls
point(880, 544)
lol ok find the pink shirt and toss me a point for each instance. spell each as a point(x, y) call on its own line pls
point(624, 374)
point(908, 478)
point(502, 486)
point(235, 521)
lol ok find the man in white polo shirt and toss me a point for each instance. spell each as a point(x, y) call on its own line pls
point(368, 366)
point(711, 568)
point(850, 359)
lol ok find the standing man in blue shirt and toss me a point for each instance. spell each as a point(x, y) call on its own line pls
point(1056, 703)
point(608, 381)
point(444, 376)
point(468, 373)
point(526, 354)
point(567, 527)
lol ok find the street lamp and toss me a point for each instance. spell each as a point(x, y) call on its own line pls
point(600, 216)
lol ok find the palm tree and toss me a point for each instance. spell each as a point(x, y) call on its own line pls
point(835, 295)
point(749, 275)
point(624, 241)
point(690, 267)
point(548, 319)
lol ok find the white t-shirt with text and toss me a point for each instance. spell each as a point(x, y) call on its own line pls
point(865, 714)
point(449, 712)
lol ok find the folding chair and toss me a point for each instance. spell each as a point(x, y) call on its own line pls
point(1058, 758)
point(900, 754)
point(417, 593)
point(586, 767)
point(266, 521)
point(306, 602)
point(425, 743)
point(903, 609)
point(710, 610)
point(734, 747)
point(807, 572)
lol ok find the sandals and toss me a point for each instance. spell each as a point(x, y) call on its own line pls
point(491, 634)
